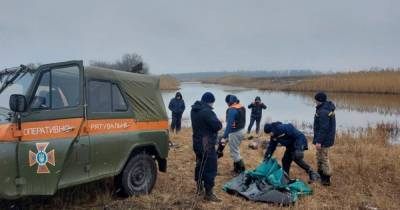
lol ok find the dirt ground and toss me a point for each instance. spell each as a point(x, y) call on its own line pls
point(365, 177)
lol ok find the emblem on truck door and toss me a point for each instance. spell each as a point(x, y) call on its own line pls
point(41, 158)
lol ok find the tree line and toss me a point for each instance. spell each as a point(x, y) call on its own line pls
point(130, 62)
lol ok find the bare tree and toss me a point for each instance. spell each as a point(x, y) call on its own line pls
point(129, 62)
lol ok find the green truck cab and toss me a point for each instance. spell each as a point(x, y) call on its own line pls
point(64, 124)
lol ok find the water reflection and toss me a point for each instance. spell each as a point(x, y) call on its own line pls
point(383, 104)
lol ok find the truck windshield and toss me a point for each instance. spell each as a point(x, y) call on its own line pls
point(19, 85)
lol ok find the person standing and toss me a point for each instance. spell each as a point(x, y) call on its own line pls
point(177, 107)
point(205, 125)
point(235, 123)
point(256, 114)
point(324, 135)
point(294, 141)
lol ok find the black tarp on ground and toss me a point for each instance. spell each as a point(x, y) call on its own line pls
point(267, 183)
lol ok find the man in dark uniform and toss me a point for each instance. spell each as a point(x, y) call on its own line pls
point(177, 107)
point(294, 141)
point(205, 125)
point(256, 114)
point(324, 135)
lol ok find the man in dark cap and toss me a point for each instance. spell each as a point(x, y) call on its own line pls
point(177, 107)
point(324, 135)
point(205, 125)
point(235, 123)
point(294, 141)
point(256, 114)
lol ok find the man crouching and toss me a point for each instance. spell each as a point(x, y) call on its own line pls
point(294, 141)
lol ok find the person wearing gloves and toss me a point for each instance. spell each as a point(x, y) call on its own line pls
point(205, 125)
point(324, 135)
point(294, 141)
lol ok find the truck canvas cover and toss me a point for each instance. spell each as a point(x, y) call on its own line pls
point(267, 183)
point(141, 91)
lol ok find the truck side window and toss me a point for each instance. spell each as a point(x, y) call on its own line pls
point(99, 96)
point(105, 97)
point(42, 96)
point(119, 104)
point(58, 88)
point(65, 87)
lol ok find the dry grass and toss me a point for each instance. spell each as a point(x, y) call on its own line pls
point(366, 175)
point(381, 82)
point(168, 82)
point(386, 82)
point(282, 83)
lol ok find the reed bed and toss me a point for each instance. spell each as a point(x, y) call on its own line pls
point(379, 82)
point(168, 82)
point(382, 82)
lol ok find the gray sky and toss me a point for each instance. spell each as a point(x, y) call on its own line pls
point(205, 35)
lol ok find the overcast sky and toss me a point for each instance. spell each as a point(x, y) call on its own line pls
point(204, 35)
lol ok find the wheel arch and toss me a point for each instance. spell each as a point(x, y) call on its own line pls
point(150, 149)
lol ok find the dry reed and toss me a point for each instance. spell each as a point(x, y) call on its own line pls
point(366, 176)
point(380, 82)
point(168, 82)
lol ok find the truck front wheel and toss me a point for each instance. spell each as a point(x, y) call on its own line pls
point(139, 175)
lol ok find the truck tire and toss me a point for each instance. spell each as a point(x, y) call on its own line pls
point(139, 175)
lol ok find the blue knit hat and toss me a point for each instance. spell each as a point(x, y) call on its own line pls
point(208, 98)
point(320, 96)
point(227, 98)
point(268, 128)
point(271, 127)
point(233, 99)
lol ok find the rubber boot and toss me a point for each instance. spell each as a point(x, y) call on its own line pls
point(241, 167)
point(199, 188)
point(235, 168)
point(210, 196)
point(321, 176)
point(327, 181)
point(312, 176)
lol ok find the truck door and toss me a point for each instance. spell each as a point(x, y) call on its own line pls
point(8, 166)
point(51, 147)
point(109, 119)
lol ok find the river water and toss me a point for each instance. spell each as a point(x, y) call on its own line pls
point(354, 111)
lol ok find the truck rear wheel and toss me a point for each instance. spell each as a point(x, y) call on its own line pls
point(139, 175)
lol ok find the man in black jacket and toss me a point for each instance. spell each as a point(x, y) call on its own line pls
point(177, 107)
point(205, 125)
point(324, 135)
point(256, 114)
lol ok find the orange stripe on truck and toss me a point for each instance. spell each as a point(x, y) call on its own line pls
point(70, 128)
point(122, 125)
point(52, 129)
point(7, 132)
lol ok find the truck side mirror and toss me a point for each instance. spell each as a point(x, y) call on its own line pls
point(18, 103)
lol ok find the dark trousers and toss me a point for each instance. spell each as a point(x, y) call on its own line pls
point(206, 164)
point(289, 156)
point(252, 120)
point(176, 121)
